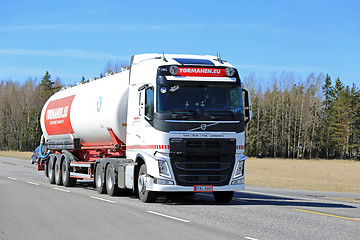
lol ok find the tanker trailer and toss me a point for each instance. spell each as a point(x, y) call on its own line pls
point(171, 123)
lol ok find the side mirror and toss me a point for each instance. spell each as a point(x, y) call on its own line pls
point(247, 106)
point(143, 87)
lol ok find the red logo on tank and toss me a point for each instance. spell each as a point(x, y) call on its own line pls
point(57, 116)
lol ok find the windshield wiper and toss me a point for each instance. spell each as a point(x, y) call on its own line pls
point(186, 114)
point(231, 112)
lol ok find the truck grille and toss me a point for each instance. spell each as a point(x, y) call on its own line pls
point(202, 161)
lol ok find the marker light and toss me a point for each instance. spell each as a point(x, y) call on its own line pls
point(229, 71)
point(174, 70)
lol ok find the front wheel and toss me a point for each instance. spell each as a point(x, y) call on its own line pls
point(223, 196)
point(144, 195)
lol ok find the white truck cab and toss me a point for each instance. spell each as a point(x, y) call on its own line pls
point(185, 123)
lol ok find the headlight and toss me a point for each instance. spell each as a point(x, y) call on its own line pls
point(164, 169)
point(239, 171)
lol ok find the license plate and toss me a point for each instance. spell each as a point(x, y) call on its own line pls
point(203, 188)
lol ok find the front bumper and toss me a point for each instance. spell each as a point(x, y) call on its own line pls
point(175, 188)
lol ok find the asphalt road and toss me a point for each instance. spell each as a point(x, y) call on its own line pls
point(31, 208)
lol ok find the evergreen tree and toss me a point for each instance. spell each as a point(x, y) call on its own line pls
point(326, 115)
point(46, 87)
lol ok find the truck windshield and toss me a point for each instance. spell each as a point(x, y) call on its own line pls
point(209, 99)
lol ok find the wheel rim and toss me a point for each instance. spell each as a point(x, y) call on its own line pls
point(57, 171)
point(109, 181)
point(141, 183)
point(50, 172)
point(64, 171)
point(98, 178)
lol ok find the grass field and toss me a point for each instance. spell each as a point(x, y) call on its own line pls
point(319, 175)
point(14, 154)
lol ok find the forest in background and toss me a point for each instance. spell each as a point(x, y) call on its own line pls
point(315, 118)
point(292, 118)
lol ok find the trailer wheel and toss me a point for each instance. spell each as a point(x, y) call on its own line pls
point(50, 170)
point(144, 195)
point(66, 179)
point(223, 196)
point(111, 184)
point(99, 179)
point(58, 172)
point(46, 170)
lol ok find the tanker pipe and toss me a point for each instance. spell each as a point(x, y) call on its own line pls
point(41, 145)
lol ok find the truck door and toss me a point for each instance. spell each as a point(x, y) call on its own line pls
point(146, 112)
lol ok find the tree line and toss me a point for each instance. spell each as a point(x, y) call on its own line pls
point(315, 118)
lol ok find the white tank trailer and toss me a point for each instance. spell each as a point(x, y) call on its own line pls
point(87, 110)
point(170, 123)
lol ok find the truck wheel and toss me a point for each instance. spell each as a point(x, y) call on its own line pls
point(50, 171)
point(111, 184)
point(58, 172)
point(99, 179)
point(46, 170)
point(66, 179)
point(223, 196)
point(144, 195)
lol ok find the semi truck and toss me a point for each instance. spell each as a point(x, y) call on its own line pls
point(170, 123)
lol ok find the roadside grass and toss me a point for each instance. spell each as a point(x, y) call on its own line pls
point(15, 154)
point(318, 175)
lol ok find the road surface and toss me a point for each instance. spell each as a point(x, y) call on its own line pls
point(31, 208)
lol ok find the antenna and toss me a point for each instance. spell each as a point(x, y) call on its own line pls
point(219, 57)
point(164, 57)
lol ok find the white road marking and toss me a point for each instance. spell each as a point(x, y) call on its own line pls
point(59, 189)
point(163, 215)
point(15, 179)
point(33, 183)
point(102, 199)
point(250, 238)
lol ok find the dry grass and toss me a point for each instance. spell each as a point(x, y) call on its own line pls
point(14, 154)
point(320, 175)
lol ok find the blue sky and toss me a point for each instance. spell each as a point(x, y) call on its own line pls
point(71, 39)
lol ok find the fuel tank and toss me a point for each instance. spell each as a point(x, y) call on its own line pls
point(87, 111)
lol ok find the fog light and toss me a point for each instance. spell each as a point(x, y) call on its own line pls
point(163, 181)
point(238, 182)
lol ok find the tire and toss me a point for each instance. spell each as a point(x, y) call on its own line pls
point(223, 196)
point(46, 170)
point(99, 179)
point(111, 184)
point(66, 179)
point(58, 172)
point(50, 171)
point(144, 195)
